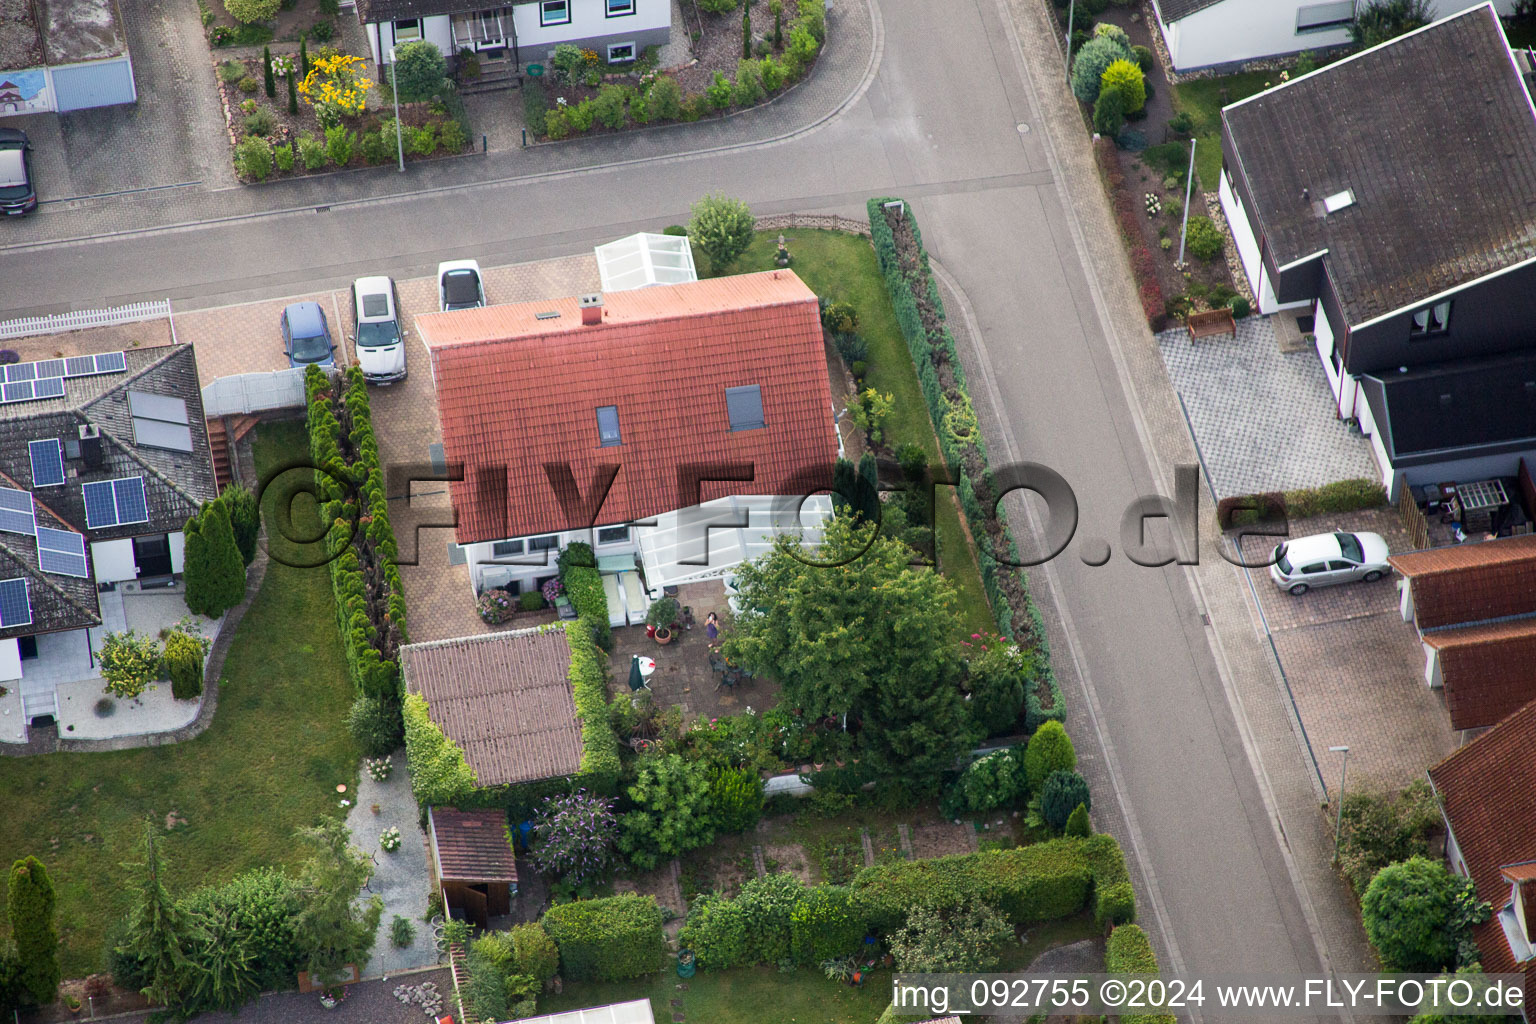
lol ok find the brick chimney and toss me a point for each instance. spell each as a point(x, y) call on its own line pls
point(591, 309)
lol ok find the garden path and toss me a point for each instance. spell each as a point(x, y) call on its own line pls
point(401, 878)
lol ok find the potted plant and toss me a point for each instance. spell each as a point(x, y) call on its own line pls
point(663, 619)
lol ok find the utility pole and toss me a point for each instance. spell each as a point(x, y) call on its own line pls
point(394, 87)
point(1338, 818)
point(1071, 9)
point(1189, 185)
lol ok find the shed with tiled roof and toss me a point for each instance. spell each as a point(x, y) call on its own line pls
point(1468, 583)
point(473, 862)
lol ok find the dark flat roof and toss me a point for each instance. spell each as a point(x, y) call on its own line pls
point(1173, 10)
point(373, 11)
point(1434, 134)
point(1487, 402)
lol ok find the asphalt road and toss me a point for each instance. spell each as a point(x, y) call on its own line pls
point(940, 125)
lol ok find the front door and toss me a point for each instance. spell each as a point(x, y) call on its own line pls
point(152, 555)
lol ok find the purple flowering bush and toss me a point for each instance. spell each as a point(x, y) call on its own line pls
point(573, 836)
point(496, 606)
point(552, 588)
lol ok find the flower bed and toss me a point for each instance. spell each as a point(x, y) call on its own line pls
point(577, 98)
point(327, 126)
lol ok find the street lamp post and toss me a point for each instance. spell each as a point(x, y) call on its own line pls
point(1071, 9)
point(1189, 184)
point(1338, 819)
point(394, 87)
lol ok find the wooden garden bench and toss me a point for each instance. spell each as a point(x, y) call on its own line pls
point(1210, 324)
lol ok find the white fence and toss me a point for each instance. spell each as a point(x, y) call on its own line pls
point(81, 318)
point(254, 392)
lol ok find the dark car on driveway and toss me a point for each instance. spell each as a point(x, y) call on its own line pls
point(17, 194)
point(306, 336)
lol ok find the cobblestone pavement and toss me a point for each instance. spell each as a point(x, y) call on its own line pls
point(1244, 395)
point(847, 62)
point(174, 134)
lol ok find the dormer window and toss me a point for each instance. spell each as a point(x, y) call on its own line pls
point(744, 406)
point(1431, 320)
point(608, 426)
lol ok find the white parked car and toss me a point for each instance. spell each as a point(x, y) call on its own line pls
point(380, 340)
point(459, 285)
point(1328, 558)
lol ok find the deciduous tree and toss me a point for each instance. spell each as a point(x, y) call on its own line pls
point(332, 929)
point(722, 227)
point(1419, 916)
point(419, 71)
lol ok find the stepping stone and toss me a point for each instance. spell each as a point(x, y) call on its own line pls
point(905, 832)
point(869, 848)
point(758, 862)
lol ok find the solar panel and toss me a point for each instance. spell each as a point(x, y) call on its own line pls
point(21, 371)
point(48, 387)
point(61, 551)
point(79, 366)
point(111, 362)
point(50, 368)
point(131, 504)
point(18, 391)
point(15, 501)
point(157, 407)
point(16, 512)
point(47, 462)
point(100, 505)
point(156, 434)
point(15, 604)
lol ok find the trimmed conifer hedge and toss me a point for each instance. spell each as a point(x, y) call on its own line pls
point(942, 380)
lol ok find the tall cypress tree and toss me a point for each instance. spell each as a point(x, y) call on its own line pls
point(159, 931)
point(244, 519)
point(293, 97)
point(226, 569)
point(195, 570)
point(30, 903)
point(268, 80)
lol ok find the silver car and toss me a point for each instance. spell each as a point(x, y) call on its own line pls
point(380, 341)
point(1328, 558)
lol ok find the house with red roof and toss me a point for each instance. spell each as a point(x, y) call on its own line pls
point(676, 429)
point(1487, 791)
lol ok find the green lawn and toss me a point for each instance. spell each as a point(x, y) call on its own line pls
point(842, 267)
point(269, 764)
point(746, 995)
point(1203, 100)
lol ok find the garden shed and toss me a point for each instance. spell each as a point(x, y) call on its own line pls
point(645, 260)
point(473, 861)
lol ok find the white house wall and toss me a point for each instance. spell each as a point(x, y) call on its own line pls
point(1242, 229)
point(178, 541)
point(589, 22)
point(112, 561)
point(10, 660)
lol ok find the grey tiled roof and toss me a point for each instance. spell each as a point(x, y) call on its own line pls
point(1174, 10)
point(1435, 136)
point(373, 11)
point(175, 483)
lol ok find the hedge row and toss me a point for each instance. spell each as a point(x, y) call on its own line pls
point(608, 939)
point(584, 588)
point(370, 601)
point(776, 919)
point(1129, 951)
point(1029, 884)
point(440, 775)
point(1129, 214)
point(963, 448)
point(1330, 499)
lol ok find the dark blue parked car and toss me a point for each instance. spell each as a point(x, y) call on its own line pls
point(306, 336)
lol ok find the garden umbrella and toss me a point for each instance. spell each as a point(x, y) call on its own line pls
point(636, 680)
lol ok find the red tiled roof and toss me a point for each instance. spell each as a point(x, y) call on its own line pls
point(1488, 792)
point(472, 846)
point(516, 394)
point(1520, 872)
point(505, 699)
point(1471, 582)
point(1489, 670)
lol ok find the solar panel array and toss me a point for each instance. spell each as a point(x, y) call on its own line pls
point(160, 421)
point(28, 382)
point(16, 515)
point(115, 502)
point(47, 462)
point(15, 604)
point(61, 551)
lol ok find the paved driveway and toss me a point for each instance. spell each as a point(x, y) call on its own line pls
point(175, 133)
point(1357, 669)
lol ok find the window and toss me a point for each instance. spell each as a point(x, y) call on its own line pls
point(612, 534)
point(608, 426)
point(546, 543)
point(1431, 320)
point(407, 30)
point(619, 8)
point(1321, 17)
point(620, 53)
point(744, 405)
point(554, 12)
point(506, 548)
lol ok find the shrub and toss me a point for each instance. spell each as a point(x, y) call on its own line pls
point(719, 92)
point(584, 588)
point(231, 71)
point(854, 348)
point(1241, 308)
point(1204, 238)
point(533, 952)
point(376, 147)
point(250, 12)
point(339, 144)
point(998, 673)
point(244, 515)
point(260, 123)
point(772, 74)
point(1107, 30)
point(439, 773)
point(556, 125)
point(580, 116)
point(1144, 59)
point(1380, 20)
point(722, 228)
point(574, 836)
point(530, 601)
point(213, 569)
point(1063, 792)
point(961, 939)
point(486, 997)
point(1090, 63)
point(993, 781)
point(717, 932)
point(376, 726)
point(676, 230)
point(608, 939)
point(718, 6)
point(322, 31)
point(800, 50)
point(452, 137)
point(30, 907)
point(665, 97)
point(1078, 824)
point(1125, 77)
point(1419, 916)
point(1108, 114)
point(248, 85)
point(1129, 951)
point(1050, 749)
point(671, 812)
point(610, 105)
point(824, 923)
point(129, 660)
point(737, 798)
point(1182, 123)
point(184, 661)
point(402, 932)
point(419, 72)
point(268, 81)
point(312, 152)
point(256, 910)
point(840, 318)
point(749, 82)
point(424, 140)
point(568, 63)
